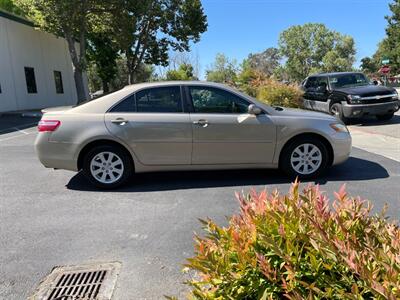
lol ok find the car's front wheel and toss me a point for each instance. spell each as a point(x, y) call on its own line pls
point(107, 167)
point(385, 117)
point(304, 158)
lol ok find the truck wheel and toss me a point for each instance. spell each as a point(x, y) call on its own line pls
point(337, 110)
point(385, 117)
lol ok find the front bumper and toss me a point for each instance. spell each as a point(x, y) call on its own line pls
point(341, 144)
point(361, 110)
point(54, 154)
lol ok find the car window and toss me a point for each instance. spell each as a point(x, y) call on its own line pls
point(125, 106)
point(310, 82)
point(314, 82)
point(159, 100)
point(348, 80)
point(213, 100)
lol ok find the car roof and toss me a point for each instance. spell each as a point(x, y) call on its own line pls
point(333, 74)
point(138, 86)
point(102, 104)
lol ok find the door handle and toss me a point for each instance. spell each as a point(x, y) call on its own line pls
point(202, 123)
point(119, 121)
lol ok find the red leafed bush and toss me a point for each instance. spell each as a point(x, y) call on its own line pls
point(298, 246)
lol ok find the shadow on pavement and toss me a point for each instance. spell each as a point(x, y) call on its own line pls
point(11, 123)
point(352, 169)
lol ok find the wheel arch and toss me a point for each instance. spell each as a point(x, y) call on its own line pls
point(102, 142)
point(320, 137)
point(336, 98)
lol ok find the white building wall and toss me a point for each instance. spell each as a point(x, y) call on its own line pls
point(24, 46)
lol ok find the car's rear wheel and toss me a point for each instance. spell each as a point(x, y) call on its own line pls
point(107, 167)
point(336, 109)
point(385, 117)
point(304, 158)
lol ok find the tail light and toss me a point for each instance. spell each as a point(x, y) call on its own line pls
point(48, 125)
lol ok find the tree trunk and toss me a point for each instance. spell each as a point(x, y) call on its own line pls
point(106, 88)
point(130, 74)
point(78, 63)
point(79, 85)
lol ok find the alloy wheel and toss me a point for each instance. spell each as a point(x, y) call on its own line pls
point(106, 167)
point(306, 159)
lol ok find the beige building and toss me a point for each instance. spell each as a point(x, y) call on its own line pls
point(35, 67)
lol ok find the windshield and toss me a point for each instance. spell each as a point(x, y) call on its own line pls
point(348, 80)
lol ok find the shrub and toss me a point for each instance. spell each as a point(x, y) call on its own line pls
point(275, 93)
point(298, 246)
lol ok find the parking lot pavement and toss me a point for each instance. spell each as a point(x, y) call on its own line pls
point(50, 218)
point(381, 138)
point(12, 123)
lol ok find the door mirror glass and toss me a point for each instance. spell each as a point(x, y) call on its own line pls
point(254, 110)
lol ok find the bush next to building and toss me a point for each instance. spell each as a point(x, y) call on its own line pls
point(298, 246)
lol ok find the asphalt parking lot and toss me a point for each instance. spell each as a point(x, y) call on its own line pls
point(50, 218)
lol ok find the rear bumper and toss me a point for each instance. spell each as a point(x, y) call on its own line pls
point(360, 110)
point(55, 155)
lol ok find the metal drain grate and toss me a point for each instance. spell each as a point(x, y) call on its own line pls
point(89, 282)
point(78, 285)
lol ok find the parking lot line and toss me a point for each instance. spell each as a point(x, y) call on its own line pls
point(17, 132)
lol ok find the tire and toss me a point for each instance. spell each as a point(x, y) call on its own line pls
point(385, 117)
point(336, 109)
point(292, 158)
point(107, 167)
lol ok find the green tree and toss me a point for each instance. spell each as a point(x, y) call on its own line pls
point(146, 30)
point(103, 52)
point(184, 72)
point(369, 65)
point(389, 48)
point(265, 62)
point(222, 70)
point(71, 19)
point(313, 47)
point(257, 68)
point(10, 6)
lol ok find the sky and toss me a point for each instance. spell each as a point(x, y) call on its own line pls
point(239, 27)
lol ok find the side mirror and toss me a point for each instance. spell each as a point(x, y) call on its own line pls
point(254, 110)
point(375, 82)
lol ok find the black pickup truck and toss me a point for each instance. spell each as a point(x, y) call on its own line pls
point(349, 95)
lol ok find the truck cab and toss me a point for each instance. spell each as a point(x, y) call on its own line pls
point(349, 95)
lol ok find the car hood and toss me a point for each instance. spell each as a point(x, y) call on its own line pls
point(303, 114)
point(367, 90)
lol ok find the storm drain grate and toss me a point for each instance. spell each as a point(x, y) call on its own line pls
point(78, 285)
point(89, 282)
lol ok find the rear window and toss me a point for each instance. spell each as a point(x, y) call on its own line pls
point(159, 100)
point(125, 106)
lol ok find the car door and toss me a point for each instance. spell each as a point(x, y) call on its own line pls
point(154, 124)
point(309, 93)
point(321, 94)
point(224, 132)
